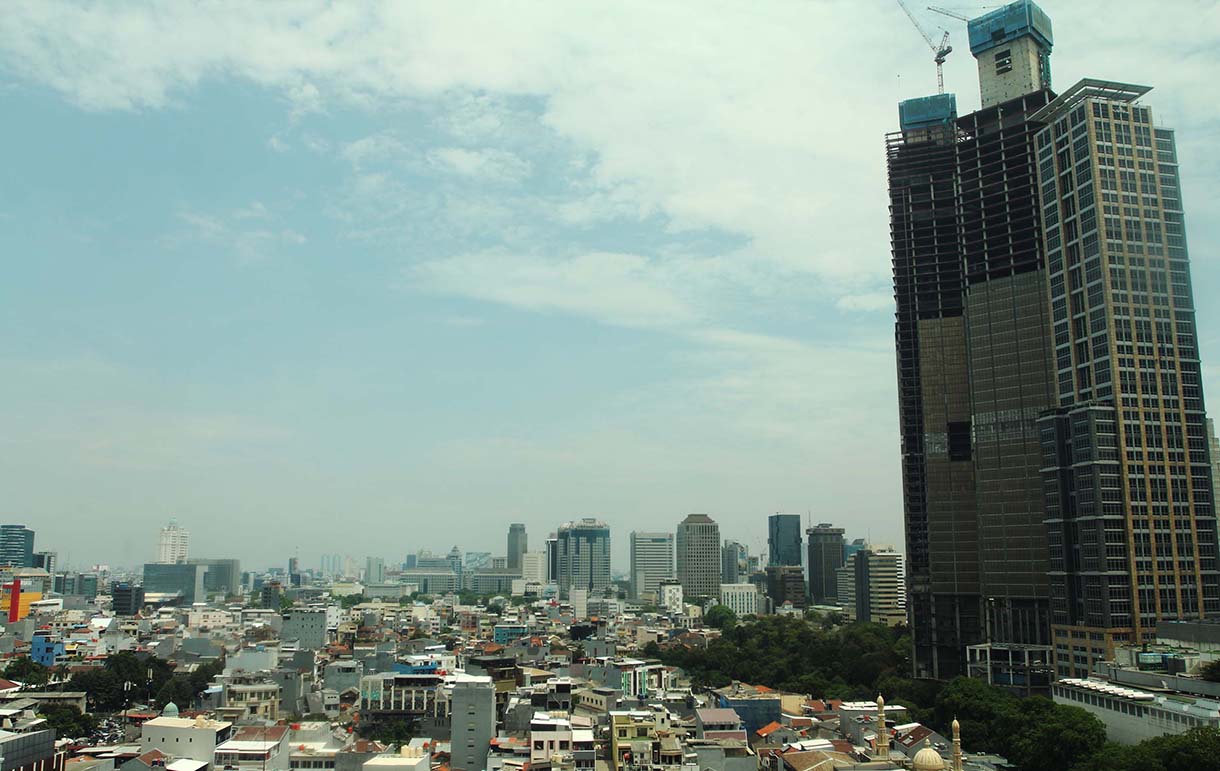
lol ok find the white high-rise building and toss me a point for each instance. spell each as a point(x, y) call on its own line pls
point(172, 546)
point(871, 586)
point(742, 599)
point(533, 567)
point(652, 561)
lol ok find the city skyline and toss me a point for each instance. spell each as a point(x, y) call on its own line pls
point(312, 328)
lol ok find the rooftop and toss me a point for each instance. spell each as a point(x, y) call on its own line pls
point(1088, 88)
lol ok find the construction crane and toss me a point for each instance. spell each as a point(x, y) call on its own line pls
point(940, 52)
point(949, 13)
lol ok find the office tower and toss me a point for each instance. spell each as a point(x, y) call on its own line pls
point(974, 352)
point(871, 588)
point(1129, 507)
point(126, 599)
point(533, 567)
point(374, 570)
point(16, 546)
point(474, 722)
point(176, 583)
point(786, 585)
point(1213, 449)
point(732, 562)
point(583, 556)
point(784, 539)
point(221, 576)
point(698, 556)
point(652, 561)
point(172, 544)
point(47, 560)
point(552, 558)
point(826, 555)
point(518, 544)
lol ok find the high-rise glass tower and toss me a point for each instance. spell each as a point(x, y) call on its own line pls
point(16, 546)
point(583, 555)
point(652, 561)
point(974, 353)
point(784, 539)
point(733, 562)
point(1129, 507)
point(698, 556)
point(518, 544)
point(826, 555)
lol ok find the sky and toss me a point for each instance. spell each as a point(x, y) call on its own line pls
point(366, 278)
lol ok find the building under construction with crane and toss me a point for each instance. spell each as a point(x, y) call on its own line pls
point(974, 361)
point(1056, 469)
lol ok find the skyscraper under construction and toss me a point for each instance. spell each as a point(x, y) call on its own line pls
point(1006, 317)
point(974, 358)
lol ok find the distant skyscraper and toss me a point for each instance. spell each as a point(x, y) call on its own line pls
point(583, 555)
point(222, 576)
point(172, 544)
point(826, 555)
point(733, 559)
point(1132, 523)
point(786, 585)
point(698, 556)
point(47, 560)
point(374, 570)
point(652, 561)
point(16, 546)
point(871, 587)
point(552, 558)
point(784, 539)
point(518, 544)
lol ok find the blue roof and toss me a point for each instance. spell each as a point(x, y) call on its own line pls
point(927, 111)
point(1006, 24)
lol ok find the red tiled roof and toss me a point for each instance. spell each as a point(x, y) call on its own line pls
point(769, 729)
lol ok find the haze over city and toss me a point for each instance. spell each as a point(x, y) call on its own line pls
point(408, 273)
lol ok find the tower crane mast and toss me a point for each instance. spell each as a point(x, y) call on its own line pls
point(939, 51)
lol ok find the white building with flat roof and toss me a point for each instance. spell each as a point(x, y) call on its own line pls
point(181, 737)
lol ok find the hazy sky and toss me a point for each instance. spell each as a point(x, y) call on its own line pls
point(372, 277)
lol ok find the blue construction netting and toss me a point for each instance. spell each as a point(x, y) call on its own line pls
point(927, 111)
point(1006, 24)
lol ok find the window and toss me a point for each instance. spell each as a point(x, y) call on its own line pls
point(1003, 61)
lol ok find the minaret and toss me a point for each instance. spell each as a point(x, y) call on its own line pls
point(883, 733)
point(957, 745)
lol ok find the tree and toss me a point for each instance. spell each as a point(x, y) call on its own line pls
point(1211, 671)
point(26, 671)
point(1039, 735)
point(67, 721)
point(720, 617)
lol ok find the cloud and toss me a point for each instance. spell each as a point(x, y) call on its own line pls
point(872, 301)
point(622, 289)
point(488, 164)
point(233, 230)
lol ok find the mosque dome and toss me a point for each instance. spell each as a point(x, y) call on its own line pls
point(171, 710)
point(928, 759)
